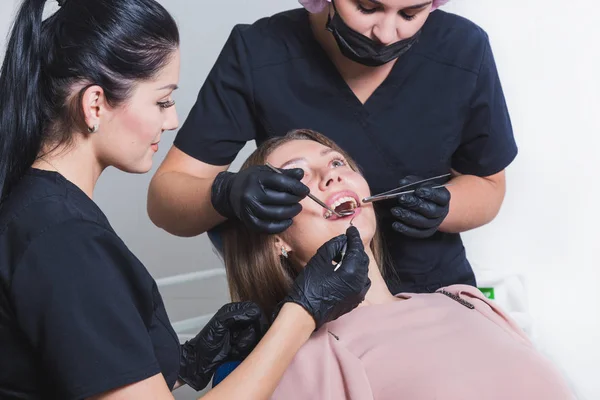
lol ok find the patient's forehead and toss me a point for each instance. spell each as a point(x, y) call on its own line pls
point(294, 149)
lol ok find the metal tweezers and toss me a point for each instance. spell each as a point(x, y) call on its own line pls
point(398, 191)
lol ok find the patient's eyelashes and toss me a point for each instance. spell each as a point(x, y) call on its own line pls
point(338, 162)
point(315, 166)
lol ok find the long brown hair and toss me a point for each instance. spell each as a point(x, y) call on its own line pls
point(254, 271)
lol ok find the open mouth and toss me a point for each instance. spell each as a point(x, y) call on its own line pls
point(344, 204)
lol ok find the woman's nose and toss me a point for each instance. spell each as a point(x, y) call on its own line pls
point(386, 31)
point(331, 177)
point(172, 120)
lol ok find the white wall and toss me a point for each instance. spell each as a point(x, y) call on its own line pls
point(548, 58)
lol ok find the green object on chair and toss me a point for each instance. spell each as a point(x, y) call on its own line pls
point(488, 292)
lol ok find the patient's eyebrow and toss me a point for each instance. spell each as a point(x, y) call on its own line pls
point(292, 161)
point(324, 152)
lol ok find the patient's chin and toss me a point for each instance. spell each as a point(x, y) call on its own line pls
point(366, 228)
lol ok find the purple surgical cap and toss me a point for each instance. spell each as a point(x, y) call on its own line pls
point(315, 6)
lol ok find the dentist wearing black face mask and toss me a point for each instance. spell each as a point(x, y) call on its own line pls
point(409, 90)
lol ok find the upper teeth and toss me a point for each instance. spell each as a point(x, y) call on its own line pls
point(343, 200)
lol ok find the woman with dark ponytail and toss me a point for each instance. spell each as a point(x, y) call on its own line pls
point(80, 316)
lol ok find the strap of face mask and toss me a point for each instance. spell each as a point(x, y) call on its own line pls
point(329, 16)
point(334, 7)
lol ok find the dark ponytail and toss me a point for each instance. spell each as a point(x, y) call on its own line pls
point(21, 118)
point(49, 63)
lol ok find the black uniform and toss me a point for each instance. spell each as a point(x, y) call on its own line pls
point(79, 314)
point(441, 107)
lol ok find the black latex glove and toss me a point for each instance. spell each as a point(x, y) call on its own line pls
point(419, 214)
point(262, 199)
point(230, 335)
point(327, 294)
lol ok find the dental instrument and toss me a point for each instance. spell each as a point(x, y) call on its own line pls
point(343, 252)
point(397, 191)
point(319, 202)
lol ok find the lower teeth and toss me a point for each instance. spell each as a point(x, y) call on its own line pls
point(343, 212)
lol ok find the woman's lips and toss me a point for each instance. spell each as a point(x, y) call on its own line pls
point(334, 217)
point(338, 199)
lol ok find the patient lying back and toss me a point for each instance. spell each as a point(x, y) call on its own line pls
point(452, 344)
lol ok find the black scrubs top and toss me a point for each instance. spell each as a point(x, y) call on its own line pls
point(79, 314)
point(441, 107)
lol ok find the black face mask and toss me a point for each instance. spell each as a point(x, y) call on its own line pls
point(360, 48)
